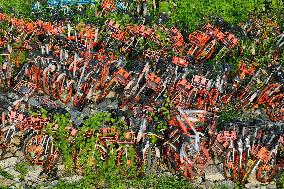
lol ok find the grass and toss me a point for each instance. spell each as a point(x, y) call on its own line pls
point(190, 13)
point(5, 174)
point(149, 182)
point(23, 169)
point(122, 183)
point(21, 7)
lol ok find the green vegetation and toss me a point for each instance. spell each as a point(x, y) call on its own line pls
point(191, 12)
point(280, 183)
point(22, 8)
point(81, 153)
point(149, 182)
point(5, 174)
point(188, 13)
point(137, 183)
point(23, 169)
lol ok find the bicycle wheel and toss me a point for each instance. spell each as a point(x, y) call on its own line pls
point(9, 135)
point(149, 158)
point(37, 148)
point(2, 144)
point(64, 89)
point(205, 53)
point(275, 108)
point(77, 161)
point(202, 99)
point(171, 152)
point(242, 104)
point(187, 152)
point(267, 92)
point(102, 152)
point(46, 81)
point(172, 158)
point(214, 98)
point(200, 160)
point(125, 162)
point(81, 95)
point(50, 162)
point(266, 170)
point(230, 164)
point(53, 85)
point(108, 87)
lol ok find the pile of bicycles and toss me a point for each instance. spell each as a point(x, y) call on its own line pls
point(159, 77)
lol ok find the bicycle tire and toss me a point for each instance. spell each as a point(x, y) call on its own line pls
point(67, 99)
point(275, 108)
point(29, 147)
point(230, 164)
point(81, 99)
point(266, 172)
